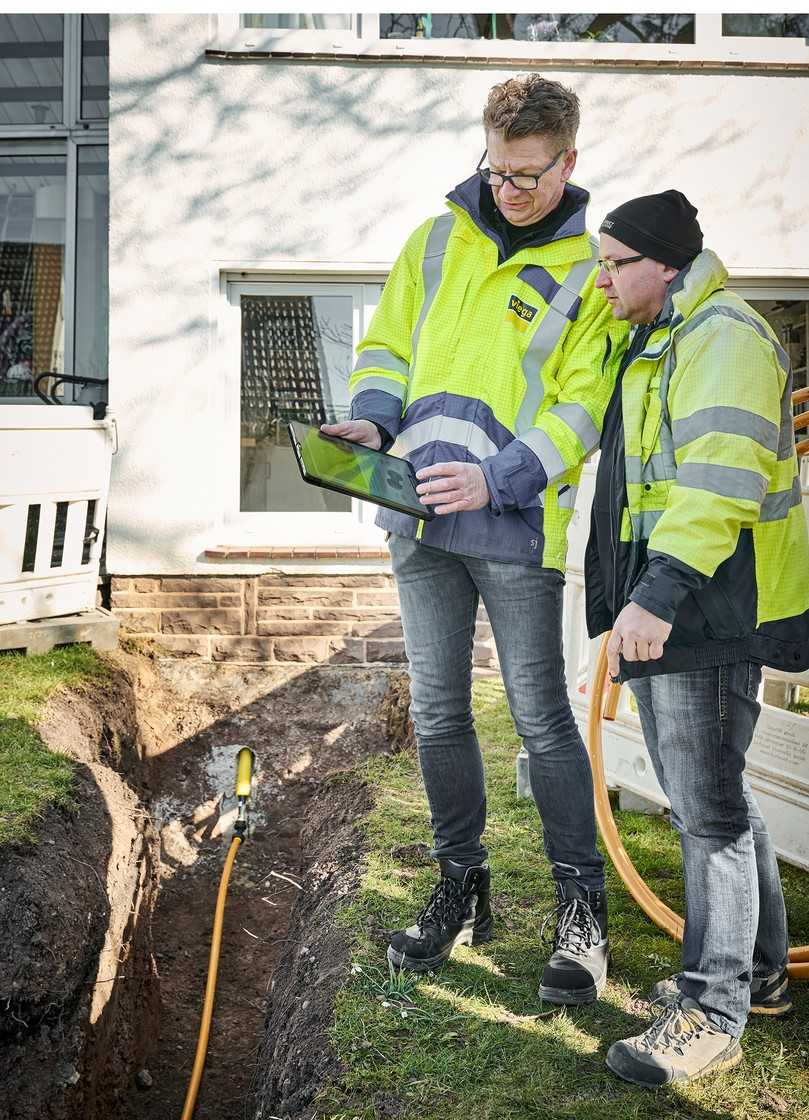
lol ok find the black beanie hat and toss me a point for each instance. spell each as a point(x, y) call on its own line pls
point(661, 226)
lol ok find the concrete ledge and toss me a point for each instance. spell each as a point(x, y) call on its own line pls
point(301, 552)
point(98, 627)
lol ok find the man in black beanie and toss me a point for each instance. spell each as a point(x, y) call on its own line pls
point(697, 562)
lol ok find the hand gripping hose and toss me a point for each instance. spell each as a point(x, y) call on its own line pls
point(650, 904)
point(244, 777)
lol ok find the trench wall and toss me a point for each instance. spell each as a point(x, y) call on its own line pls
point(78, 987)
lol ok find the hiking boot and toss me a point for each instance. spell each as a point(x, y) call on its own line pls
point(769, 994)
point(681, 1045)
point(458, 913)
point(577, 970)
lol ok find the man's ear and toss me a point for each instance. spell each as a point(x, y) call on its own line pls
point(568, 164)
point(669, 273)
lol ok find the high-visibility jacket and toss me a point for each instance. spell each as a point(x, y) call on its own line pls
point(713, 536)
point(507, 365)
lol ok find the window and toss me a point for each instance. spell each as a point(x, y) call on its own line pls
point(567, 27)
point(300, 21)
point(626, 39)
point(32, 262)
point(295, 31)
point(289, 352)
point(92, 261)
point(54, 200)
point(297, 356)
point(95, 67)
point(31, 69)
point(771, 25)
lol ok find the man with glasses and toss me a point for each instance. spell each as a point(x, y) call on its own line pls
point(697, 561)
point(488, 363)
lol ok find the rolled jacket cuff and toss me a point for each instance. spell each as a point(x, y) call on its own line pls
point(664, 584)
point(387, 440)
point(643, 597)
point(514, 476)
point(382, 409)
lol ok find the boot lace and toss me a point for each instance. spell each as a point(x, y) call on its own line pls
point(576, 929)
point(444, 906)
point(674, 1027)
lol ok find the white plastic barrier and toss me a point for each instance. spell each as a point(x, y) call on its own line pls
point(54, 482)
point(778, 758)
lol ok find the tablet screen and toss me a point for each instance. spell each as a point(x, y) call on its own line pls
point(366, 473)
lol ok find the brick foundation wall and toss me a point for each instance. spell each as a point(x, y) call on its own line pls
point(278, 616)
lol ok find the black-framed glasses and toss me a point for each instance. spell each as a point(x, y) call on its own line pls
point(613, 267)
point(519, 182)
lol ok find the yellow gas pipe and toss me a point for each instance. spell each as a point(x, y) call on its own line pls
point(244, 781)
point(648, 901)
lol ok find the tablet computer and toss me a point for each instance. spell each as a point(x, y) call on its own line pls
point(349, 468)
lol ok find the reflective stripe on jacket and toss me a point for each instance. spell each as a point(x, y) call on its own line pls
point(713, 519)
point(507, 365)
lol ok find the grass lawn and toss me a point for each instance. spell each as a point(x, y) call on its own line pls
point(473, 1042)
point(31, 776)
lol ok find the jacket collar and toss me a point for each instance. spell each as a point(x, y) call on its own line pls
point(692, 285)
point(466, 196)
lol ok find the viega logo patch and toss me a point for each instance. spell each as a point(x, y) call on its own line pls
point(519, 313)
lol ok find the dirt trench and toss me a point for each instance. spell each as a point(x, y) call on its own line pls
point(77, 986)
point(127, 954)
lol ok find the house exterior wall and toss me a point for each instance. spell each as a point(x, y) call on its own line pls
point(317, 615)
point(217, 164)
point(274, 617)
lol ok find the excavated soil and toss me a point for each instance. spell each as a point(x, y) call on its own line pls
point(105, 926)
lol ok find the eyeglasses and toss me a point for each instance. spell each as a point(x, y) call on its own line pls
point(519, 182)
point(613, 267)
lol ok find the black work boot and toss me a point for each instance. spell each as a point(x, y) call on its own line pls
point(458, 913)
point(577, 971)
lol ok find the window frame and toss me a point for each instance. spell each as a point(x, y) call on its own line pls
point(226, 28)
point(227, 37)
point(64, 139)
point(305, 528)
point(96, 123)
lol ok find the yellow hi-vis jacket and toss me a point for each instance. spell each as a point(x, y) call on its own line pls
point(713, 536)
point(506, 365)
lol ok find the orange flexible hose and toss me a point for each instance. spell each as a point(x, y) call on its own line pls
point(654, 908)
point(210, 985)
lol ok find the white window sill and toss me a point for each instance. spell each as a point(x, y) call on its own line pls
point(722, 53)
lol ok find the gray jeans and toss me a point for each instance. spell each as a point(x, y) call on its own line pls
point(439, 594)
point(698, 727)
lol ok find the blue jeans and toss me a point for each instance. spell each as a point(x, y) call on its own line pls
point(439, 594)
point(698, 726)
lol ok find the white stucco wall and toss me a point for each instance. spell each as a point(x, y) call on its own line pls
point(216, 162)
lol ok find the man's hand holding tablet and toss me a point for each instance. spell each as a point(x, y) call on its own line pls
point(363, 432)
